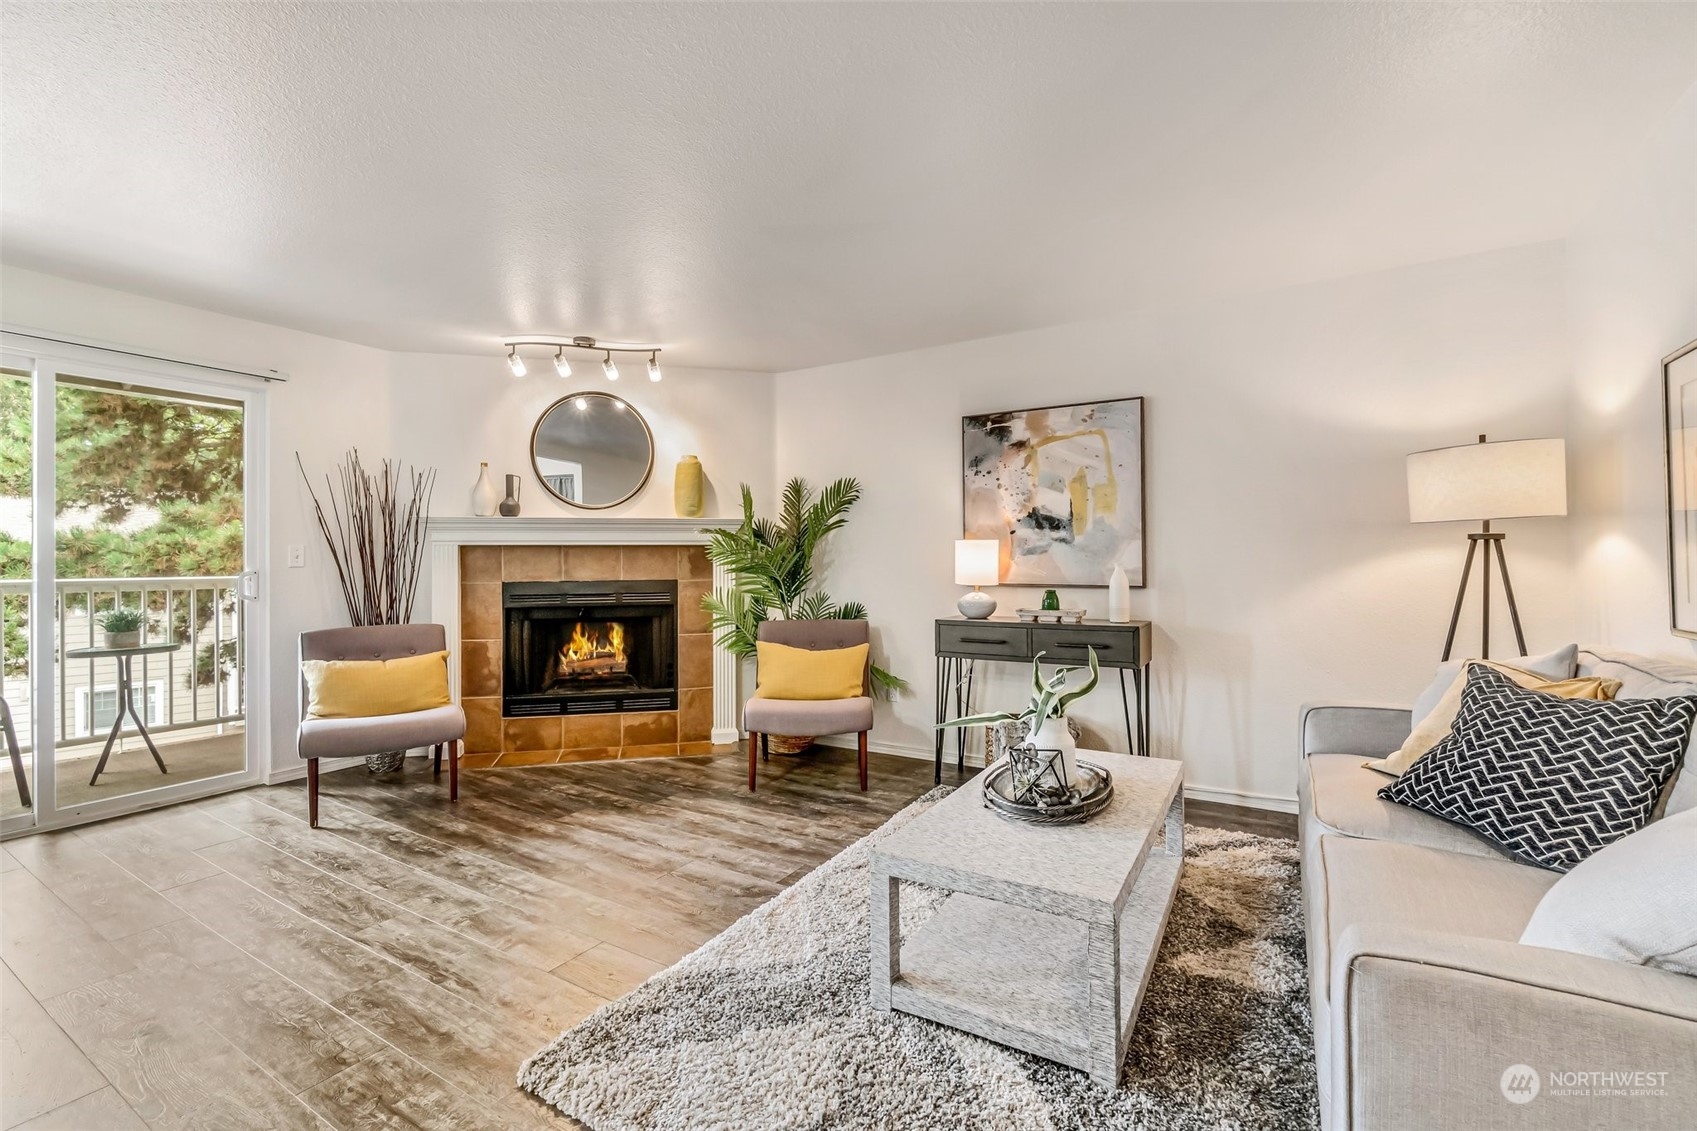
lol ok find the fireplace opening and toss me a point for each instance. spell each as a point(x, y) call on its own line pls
point(589, 647)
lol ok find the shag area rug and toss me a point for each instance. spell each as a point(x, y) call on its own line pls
point(770, 1025)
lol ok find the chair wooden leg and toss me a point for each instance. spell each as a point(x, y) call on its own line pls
point(753, 749)
point(765, 748)
point(863, 761)
point(454, 770)
point(436, 752)
point(312, 792)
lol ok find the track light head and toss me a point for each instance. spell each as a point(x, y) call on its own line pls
point(515, 362)
point(561, 365)
point(611, 370)
point(654, 366)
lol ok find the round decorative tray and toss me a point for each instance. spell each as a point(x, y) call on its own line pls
point(1097, 790)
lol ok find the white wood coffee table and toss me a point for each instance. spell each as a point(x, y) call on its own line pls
point(1046, 943)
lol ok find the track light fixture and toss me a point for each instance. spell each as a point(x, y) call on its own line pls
point(563, 366)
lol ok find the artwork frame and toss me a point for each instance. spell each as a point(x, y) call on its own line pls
point(1679, 461)
point(1003, 491)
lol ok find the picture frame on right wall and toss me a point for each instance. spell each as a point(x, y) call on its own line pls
point(1679, 420)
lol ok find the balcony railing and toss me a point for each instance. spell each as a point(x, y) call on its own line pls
point(201, 684)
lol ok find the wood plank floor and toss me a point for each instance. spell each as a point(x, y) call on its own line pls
point(218, 964)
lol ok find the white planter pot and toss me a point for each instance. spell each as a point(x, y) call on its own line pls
point(1054, 734)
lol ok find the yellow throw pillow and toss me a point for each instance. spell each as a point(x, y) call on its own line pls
point(359, 689)
point(803, 673)
point(1435, 727)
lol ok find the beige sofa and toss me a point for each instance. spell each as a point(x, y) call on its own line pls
point(1422, 995)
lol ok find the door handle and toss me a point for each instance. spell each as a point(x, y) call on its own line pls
point(247, 585)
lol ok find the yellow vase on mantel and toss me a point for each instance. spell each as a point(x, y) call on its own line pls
point(687, 488)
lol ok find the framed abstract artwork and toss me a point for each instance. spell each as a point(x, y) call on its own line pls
point(1679, 419)
point(1060, 488)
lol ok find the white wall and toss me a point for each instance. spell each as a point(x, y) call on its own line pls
point(448, 412)
point(1633, 300)
point(1282, 567)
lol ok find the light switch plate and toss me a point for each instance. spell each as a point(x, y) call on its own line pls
point(297, 557)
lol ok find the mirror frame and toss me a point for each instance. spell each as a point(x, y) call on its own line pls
point(647, 472)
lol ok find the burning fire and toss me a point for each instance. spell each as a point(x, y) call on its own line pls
point(598, 647)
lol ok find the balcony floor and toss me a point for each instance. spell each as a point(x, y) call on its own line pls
point(189, 756)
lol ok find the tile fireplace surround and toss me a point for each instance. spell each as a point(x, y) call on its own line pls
point(470, 558)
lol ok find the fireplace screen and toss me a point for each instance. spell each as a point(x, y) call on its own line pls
point(589, 647)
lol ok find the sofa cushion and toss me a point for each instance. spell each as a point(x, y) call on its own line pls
point(1552, 780)
point(1560, 664)
point(1341, 796)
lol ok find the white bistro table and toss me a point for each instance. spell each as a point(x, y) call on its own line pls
point(1048, 937)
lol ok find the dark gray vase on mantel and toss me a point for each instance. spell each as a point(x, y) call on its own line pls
point(510, 505)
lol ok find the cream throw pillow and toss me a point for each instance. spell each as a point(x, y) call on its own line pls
point(1435, 727)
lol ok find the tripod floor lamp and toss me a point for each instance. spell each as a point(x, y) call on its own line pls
point(1478, 483)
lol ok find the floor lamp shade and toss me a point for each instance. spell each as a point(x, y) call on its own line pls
point(977, 562)
point(1476, 482)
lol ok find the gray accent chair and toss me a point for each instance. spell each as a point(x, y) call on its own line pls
point(811, 717)
point(377, 734)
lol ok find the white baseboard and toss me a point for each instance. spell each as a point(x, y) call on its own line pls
point(1248, 800)
point(726, 736)
point(297, 770)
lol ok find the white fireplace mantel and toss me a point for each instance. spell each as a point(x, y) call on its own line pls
point(445, 536)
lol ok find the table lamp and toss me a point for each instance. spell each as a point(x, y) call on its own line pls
point(977, 562)
point(1478, 483)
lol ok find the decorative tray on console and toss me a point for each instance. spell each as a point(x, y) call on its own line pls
point(1050, 616)
point(1026, 786)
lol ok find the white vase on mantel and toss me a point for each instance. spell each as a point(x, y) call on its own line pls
point(484, 497)
point(1119, 596)
point(1054, 734)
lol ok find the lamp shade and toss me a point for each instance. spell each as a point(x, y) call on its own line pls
point(977, 561)
point(1503, 479)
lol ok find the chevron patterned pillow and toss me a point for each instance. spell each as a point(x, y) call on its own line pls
point(1550, 780)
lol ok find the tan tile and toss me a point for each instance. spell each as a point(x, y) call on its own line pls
point(480, 668)
point(480, 610)
point(692, 618)
point(590, 563)
point(528, 758)
point(480, 563)
point(592, 730)
point(695, 714)
point(478, 761)
point(648, 727)
point(650, 563)
point(531, 734)
point(695, 660)
point(693, 564)
point(530, 563)
point(659, 750)
point(482, 725)
point(698, 748)
point(590, 754)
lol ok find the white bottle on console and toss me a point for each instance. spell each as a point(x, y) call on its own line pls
point(1119, 596)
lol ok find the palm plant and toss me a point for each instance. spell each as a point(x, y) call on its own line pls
point(771, 563)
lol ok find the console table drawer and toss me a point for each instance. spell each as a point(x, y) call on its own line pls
point(1071, 644)
point(989, 641)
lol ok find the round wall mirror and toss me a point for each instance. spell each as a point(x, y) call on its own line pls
point(592, 450)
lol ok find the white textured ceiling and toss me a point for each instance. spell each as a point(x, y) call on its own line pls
point(777, 186)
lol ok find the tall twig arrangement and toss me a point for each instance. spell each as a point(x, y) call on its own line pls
point(375, 529)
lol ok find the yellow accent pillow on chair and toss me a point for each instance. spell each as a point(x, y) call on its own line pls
point(359, 689)
point(804, 673)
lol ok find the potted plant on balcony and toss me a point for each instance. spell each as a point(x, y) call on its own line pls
point(121, 628)
point(771, 563)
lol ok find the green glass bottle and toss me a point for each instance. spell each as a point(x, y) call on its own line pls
point(1051, 601)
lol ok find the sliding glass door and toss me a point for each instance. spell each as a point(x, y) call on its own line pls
point(129, 597)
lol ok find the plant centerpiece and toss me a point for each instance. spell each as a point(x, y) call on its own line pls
point(772, 567)
point(1046, 714)
point(122, 627)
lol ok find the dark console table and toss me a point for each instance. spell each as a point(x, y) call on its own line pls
point(961, 643)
